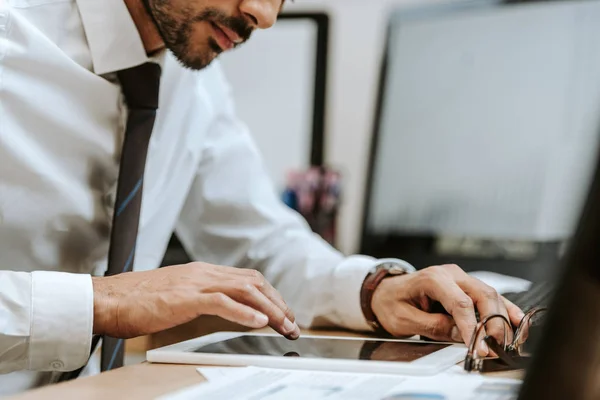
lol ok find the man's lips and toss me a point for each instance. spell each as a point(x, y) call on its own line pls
point(225, 37)
point(234, 37)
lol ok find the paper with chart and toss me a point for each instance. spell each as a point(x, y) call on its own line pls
point(253, 383)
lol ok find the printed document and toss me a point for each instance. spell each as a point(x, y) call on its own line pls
point(253, 383)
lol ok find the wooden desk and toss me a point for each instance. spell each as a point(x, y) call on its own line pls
point(137, 382)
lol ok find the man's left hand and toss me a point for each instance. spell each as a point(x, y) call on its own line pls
point(402, 305)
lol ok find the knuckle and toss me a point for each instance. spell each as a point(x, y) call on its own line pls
point(256, 274)
point(431, 274)
point(453, 270)
point(259, 283)
point(256, 279)
point(247, 289)
point(218, 299)
point(434, 275)
point(490, 293)
point(435, 270)
point(454, 267)
point(463, 304)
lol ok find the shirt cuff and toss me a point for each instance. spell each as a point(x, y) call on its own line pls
point(349, 277)
point(62, 310)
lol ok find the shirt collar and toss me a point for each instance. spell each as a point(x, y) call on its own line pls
point(112, 36)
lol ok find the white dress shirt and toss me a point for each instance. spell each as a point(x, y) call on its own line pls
point(61, 126)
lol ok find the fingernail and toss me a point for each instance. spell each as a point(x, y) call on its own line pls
point(289, 326)
point(455, 334)
point(294, 335)
point(261, 319)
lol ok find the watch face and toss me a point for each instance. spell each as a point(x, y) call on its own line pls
point(390, 269)
point(395, 269)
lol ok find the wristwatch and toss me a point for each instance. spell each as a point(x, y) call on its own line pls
point(371, 282)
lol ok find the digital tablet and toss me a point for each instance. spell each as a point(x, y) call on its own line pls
point(324, 353)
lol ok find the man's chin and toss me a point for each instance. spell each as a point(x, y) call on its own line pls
point(195, 63)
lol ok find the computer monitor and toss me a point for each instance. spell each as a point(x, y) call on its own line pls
point(279, 84)
point(484, 134)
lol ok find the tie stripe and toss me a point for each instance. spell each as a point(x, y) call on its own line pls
point(129, 261)
point(114, 354)
point(126, 202)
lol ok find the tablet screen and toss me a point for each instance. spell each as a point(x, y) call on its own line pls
point(323, 348)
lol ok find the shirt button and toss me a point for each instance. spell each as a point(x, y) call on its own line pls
point(57, 364)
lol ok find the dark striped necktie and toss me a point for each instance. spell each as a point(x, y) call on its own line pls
point(140, 87)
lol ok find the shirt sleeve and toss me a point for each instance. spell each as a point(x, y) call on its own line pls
point(46, 321)
point(233, 216)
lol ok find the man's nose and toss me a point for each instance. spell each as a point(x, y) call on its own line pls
point(262, 14)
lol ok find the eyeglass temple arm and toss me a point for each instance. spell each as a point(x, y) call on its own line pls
point(472, 346)
point(471, 363)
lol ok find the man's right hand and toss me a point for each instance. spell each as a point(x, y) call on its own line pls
point(142, 303)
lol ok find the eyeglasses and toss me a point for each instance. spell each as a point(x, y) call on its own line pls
point(496, 333)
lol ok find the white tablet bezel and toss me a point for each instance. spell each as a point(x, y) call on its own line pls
point(182, 353)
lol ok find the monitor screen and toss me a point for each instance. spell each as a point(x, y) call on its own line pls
point(488, 122)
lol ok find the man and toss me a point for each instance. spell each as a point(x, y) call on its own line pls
point(66, 115)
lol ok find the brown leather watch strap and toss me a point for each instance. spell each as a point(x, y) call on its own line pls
point(366, 296)
point(369, 286)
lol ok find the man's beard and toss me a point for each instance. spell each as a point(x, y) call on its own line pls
point(176, 29)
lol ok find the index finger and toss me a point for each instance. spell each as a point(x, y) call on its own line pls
point(273, 295)
point(488, 302)
point(262, 284)
point(277, 319)
point(457, 303)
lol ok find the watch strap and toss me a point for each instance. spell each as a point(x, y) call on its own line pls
point(369, 286)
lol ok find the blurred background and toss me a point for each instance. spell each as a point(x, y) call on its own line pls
point(461, 131)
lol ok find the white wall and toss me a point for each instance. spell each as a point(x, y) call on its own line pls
point(274, 90)
point(357, 42)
